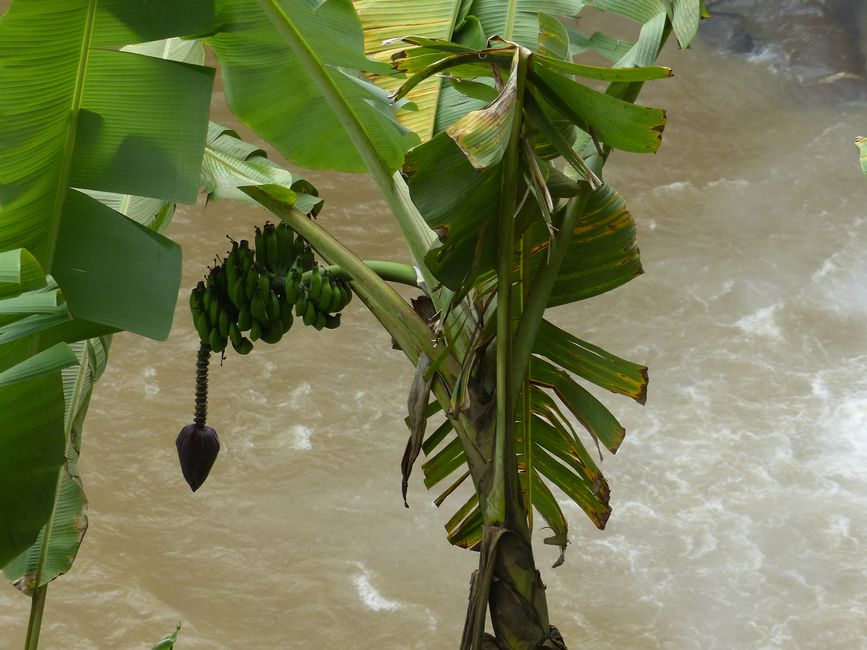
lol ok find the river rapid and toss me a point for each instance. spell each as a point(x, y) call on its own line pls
point(739, 494)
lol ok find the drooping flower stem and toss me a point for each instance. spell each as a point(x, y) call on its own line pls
point(202, 360)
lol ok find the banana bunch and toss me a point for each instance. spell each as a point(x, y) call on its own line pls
point(212, 311)
point(254, 291)
point(319, 296)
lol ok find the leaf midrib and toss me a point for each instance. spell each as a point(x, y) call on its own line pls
point(320, 74)
point(53, 232)
point(71, 133)
point(511, 12)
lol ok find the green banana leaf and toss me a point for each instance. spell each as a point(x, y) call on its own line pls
point(57, 544)
point(558, 458)
point(31, 454)
point(383, 26)
point(603, 253)
point(88, 130)
point(518, 20)
point(153, 213)
point(230, 163)
point(285, 98)
point(31, 407)
point(78, 114)
point(457, 193)
point(683, 16)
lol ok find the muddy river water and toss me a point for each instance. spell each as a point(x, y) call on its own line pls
point(739, 495)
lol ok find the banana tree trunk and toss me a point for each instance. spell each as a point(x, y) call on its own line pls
point(507, 581)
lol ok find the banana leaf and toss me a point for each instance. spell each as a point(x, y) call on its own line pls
point(384, 25)
point(31, 454)
point(132, 123)
point(61, 536)
point(518, 20)
point(137, 126)
point(300, 104)
point(31, 408)
point(230, 163)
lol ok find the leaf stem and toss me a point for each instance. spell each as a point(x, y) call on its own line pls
point(34, 625)
point(540, 291)
point(418, 235)
point(388, 271)
point(525, 391)
point(495, 510)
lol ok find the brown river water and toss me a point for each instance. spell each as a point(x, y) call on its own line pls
point(739, 495)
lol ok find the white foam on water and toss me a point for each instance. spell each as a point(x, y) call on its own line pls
point(770, 56)
point(301, 435)
point(676, 186)
point(302, 390)
point(733, 182)
point(151, 388)
point(850, 417)
point(761, 323)
point(369, 595)
point(828, 266)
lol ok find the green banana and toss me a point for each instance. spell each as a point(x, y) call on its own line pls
point(244, 318)
point(338, 296)
point(274, 307)
point(301, 303)
point(258, 310)
point(246, 256)
point(284, 245)
point(264, 287)
point(244, 347)
point(259, 240)
point(271, 247)
point(298, 247)
point(310, 314)
point(202, 327)
point(290, 287)
point(239, 298)
point(347, 292)
point(251, 283)
point(273, 333)
point(255, 331)
point(217, 343)
point(316, 283)
point(231, 269)
point(235, 335)
point(319, 323)
point(223, 323)
point(195, 302)
point(325, 294)
point(337, 300)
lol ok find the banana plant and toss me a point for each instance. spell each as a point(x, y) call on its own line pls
point(468, 114)
point(493, 171)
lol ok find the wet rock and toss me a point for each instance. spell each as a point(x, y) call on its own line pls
point(727, 32)
point(821, 44)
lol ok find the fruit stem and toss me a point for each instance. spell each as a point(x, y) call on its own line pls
point(388, 271)
point(202, 384)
